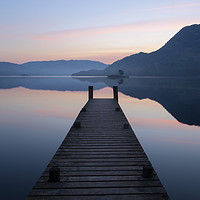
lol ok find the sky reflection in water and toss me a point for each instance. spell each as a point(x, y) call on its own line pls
point(34, 123)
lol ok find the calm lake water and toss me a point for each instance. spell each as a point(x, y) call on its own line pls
point(36, 114)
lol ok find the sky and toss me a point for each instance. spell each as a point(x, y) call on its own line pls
point(101, 30)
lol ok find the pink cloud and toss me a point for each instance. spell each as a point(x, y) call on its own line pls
point(79, 32)
point(84, 32)
point(178, 6)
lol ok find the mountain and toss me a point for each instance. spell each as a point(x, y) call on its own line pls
point(9, 69)
point(180, 56)
point(49, 68)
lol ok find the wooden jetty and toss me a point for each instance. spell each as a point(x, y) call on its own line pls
point(100, 158)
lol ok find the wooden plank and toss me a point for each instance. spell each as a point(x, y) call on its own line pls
point(100, 143)
point(118, 184)
point(101, 153)
point(100, 168)
point(101, 163)
point(97, 173)
point(98, 149)
point(95, 160)
point(99, 146)
point(101, 178)
point(104, 197)
point(102, 156)
point(97, 191)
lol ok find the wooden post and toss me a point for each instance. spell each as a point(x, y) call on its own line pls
point(90, 92)
point(115, 92)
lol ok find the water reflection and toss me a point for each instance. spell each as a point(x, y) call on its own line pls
point(179, 96)
point(172, 147)
point(33, 124)
point(48, 83)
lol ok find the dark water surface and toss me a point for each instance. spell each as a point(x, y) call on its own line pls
point(36, 114)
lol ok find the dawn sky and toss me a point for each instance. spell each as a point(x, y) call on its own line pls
point(103, 30)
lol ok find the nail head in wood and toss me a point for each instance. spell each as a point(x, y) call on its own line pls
point(117, 109)
point(83, 110)
point(54, 174)
point(77, 124)
point(147, 172)
point(126, 126)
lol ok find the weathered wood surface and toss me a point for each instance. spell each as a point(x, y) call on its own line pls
point(102, 159)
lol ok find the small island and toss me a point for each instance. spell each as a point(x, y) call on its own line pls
point(117, 76)
point(24, 75)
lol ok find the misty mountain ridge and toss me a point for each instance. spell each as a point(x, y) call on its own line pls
point(49, 68)
point(180, 56)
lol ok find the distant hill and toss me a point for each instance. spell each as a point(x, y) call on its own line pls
point(49, 68)
point(180, 56)
point(9, 69)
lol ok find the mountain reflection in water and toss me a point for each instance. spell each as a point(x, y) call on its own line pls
point(179, 96)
